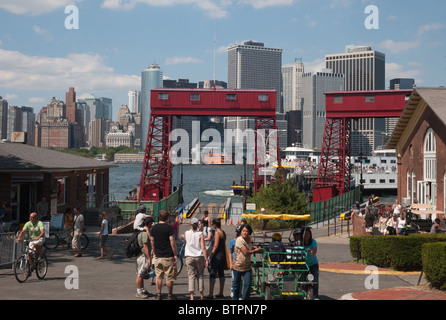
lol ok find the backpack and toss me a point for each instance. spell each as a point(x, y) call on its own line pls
point(132, 247)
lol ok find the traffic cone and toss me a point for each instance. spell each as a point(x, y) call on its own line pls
point(238, 222)
point(230, 223)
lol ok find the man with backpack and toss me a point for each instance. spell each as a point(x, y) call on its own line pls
point(143, 258)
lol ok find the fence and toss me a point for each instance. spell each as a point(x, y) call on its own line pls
point(327, 210)
point(7, 248)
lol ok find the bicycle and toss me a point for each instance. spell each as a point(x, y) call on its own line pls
point(58, 237)
point(179, 263)
point(22, 267)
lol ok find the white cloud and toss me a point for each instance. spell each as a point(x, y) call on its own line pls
point(434, 26)
point(259, 4)
point(182, 60)
point(211, 8)
point(36, 99)
point(10, 96)
point(399, 46)
point(43, 32)
point(83, 71)
point(395, 70)
point(33, 7)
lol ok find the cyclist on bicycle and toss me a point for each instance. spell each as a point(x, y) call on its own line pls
point(36, 232)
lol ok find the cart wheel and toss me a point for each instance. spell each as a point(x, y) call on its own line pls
point(310, 293)
point(268, 293)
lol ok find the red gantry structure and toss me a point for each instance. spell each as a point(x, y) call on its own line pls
point(341, 108)
point(156, 178)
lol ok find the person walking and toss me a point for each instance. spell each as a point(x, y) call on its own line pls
point(401, 224)
point(140, 217)
point(103, 235)
point(68, 225)
point(242, 264)
point(196, 258)
point(310, 245)
point(164, 249)
point(217, 260)
point(42, 209)
point(78, 229)
point(143, 260)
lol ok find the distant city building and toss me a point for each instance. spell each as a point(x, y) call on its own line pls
point(363, 69)
point(314, 87)
point(151, 78)
point(180, 84)
point(55, 134)
point(208, 84)
point(292, 85)
point(97, 131)
point(133, 101)
point(4, 111)
point(402, 83)
point(251, 65)
point(119, 138)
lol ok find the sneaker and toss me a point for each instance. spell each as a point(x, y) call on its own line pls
point(142, 295)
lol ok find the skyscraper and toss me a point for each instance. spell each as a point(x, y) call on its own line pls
point(314, 87)
point(292, 85)
point(151, 78)
point(133, 101)
point(251, 65)
point(364, 69)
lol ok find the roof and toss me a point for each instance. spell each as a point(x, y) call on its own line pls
point(435, 98)
point(23, 157)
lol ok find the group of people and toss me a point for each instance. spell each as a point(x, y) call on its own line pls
point(391, 222)
point(205, 248)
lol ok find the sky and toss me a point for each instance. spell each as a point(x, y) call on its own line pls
point(100, 47)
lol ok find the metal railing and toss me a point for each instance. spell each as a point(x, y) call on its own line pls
point(7, 248)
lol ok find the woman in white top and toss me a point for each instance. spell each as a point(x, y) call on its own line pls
point(103, 235)
point(196, 258)
point(401, 225)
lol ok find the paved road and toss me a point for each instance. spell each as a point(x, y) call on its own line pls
point(115, 279)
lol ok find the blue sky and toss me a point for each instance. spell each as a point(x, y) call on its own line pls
point(116, 39)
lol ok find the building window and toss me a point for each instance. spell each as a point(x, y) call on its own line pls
point(263, 97)
point(231, 97)
point(194, 97)
point(430, 157)
point(163, 96)
point(337, 99)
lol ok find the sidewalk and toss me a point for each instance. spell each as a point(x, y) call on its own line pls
point(414, 292)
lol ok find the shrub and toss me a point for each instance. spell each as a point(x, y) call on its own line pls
point(434, 264)
point(400, 252)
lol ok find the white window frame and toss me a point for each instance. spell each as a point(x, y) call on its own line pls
point(430, 157)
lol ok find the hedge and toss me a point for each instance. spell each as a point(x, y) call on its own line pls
point(434, 264)
point(403, 253)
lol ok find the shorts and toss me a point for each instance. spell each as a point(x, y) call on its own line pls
point(33, 243)
point(369, 229)
point(142, 264)
point(164, 267)
point(102, 240)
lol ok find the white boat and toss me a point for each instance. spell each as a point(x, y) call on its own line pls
point(379, 171)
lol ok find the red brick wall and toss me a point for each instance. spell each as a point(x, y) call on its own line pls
point(415, 160)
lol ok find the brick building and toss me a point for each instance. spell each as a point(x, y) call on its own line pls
point(420, 142)
point(29, 173)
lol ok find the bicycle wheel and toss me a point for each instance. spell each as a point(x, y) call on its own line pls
point(42, 267)
point(52, 242)
point(84, 241)
point(21, 269)
point(179, 265)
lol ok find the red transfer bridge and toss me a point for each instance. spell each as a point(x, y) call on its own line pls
point(341, 107)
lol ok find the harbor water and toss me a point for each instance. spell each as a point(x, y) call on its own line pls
point(211, 183)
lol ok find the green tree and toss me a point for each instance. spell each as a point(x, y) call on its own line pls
point(281, 198)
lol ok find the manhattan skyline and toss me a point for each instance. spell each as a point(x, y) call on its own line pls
point(115, 40)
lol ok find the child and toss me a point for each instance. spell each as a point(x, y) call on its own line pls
point(103, 235)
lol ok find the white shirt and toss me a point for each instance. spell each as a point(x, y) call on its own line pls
point(105, 224)
point(193, 245)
